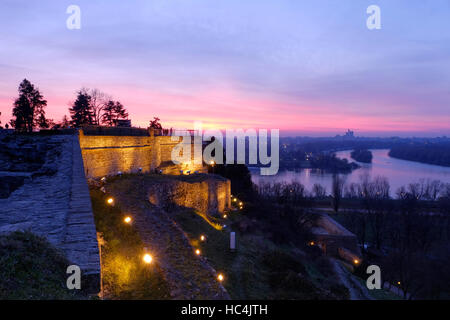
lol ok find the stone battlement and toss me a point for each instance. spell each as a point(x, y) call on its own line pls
point(105, 155)
point(54, 202)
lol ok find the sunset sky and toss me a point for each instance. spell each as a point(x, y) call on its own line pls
point(304, 67)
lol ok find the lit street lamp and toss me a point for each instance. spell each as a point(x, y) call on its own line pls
point(212, 163)
point(127, 219)
point(147, 258)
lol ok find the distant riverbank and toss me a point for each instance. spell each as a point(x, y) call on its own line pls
point(435, 154)
point(398, 172)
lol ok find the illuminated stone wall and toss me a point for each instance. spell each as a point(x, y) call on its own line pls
point(208, 194)
point(107, 155)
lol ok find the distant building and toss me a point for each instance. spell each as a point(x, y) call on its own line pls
point(122, 123)
point(349, 134)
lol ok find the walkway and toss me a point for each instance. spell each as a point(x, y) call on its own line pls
point(189, 277)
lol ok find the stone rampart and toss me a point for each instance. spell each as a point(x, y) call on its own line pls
point(54, 203)
point(206, 193)
point(105, 155)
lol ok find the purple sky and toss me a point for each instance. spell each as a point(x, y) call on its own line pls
point(305, 67)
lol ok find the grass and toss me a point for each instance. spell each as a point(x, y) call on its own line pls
point(125, 275)
point(31, 268)
point(258, 269)
point(380, 294)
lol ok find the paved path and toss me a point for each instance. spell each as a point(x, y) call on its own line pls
point(188, 276)
point(356, 289)
point(396, 290)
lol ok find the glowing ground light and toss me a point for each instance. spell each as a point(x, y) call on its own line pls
point(147, 258)
point(197, 252)
point(234, 200)
point(225, 216)
point(240, 203)
point(398, 282)
point(356, 261)
point(127, 219)
point(220, 277)
point(110, 201)
point(311, 243)
point(202, 238)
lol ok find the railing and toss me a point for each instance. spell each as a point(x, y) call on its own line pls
point(114, 131)
point(92, 130)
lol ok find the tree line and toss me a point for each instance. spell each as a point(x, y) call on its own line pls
point(406, 235)
point(432, 153)
point(362, 155)
point(91, 107)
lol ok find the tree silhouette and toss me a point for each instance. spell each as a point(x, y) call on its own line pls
point(337, 188)
point(99, 100)
point(81, 111)
point(28, 108)
point(155, 124)
point(112, 112)
point(44, 122)
point(65, 123)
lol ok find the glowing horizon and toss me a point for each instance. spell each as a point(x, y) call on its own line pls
point(301, 68)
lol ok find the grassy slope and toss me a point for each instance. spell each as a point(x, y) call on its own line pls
point(259, 269)
point(31, 268)
point(125, 276)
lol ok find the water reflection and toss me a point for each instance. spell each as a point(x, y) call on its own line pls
point(398, 172)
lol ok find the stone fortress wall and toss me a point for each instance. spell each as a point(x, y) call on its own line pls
point(46, 190)
point(209, 194)
point(54, 201)
point(105, 155)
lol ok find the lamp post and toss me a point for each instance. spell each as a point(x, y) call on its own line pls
point(127, 219)
point(147, 258)
point(232, 241)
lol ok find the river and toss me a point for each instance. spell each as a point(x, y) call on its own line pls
point(398, 172)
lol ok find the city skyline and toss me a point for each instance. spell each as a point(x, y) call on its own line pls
point(299, 67)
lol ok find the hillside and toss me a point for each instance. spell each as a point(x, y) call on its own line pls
point(259, 268)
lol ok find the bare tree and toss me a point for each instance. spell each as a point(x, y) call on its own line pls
point(352, 191)
point(337, 191)
point(375, 200)
point(319, 191)
point(433, 189)
point(417, 189)
point(98, 103)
